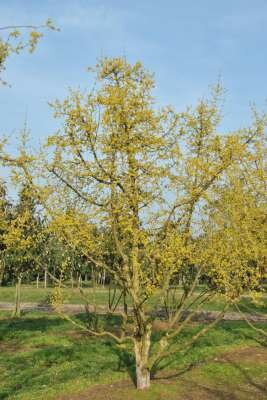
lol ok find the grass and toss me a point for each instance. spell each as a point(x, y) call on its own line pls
point(30, 293)
point(44, 357)
point(42, 352)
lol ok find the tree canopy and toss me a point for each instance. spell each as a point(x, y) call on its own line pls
point(154, 197)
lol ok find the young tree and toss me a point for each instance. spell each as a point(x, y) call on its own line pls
point(5, 218)
point(22, 241)
point(147, 176)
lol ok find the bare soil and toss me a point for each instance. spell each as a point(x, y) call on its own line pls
point(200, 316)
point(253, 355)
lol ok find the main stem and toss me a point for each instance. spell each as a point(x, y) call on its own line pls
point(16, 312)
point(141, 348)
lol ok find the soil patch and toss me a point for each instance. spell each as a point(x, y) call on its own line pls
point(253, 355)
point(11, 347)
point(188, 387)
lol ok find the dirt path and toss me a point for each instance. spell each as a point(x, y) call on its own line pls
point(200, 316)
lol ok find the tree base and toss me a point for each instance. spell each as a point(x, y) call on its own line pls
point(142, 379)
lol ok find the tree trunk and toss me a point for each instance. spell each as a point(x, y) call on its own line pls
point(2, 270)
point(141, 348)
point(71, 279)
point(37, 281)
point(45, 279)
point(16, 312)
point(125, 306)
point(1, 277)
point(79, 281)
point(142, 378)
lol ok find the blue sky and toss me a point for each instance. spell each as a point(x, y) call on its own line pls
point(187, 44)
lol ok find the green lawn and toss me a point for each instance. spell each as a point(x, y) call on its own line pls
point(45, 357)
point(32, 294)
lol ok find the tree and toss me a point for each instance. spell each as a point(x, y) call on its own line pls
point(23, 241)
point(15, 41)
point(5, 218)
point(148, 177)
point(237, 213)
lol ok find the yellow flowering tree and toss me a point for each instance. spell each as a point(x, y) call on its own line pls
point(164, 185)
point(14, 40)
point(23, 241)
point(236, 242)
point(5, 217)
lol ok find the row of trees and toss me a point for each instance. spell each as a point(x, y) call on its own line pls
point(150, 196)
point(30, 250)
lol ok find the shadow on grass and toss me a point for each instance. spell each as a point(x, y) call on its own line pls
point(126, 362)
point(249, 380)
point(260, 339)
point(53, 354)
point(247, 388)
point(31, 324)
point(26, 371)
point(177, 374)
point(59, 364)
point(93, 357)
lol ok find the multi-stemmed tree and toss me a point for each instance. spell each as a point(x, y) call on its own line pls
point(163, 184)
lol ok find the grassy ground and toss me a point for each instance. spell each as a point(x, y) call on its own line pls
point(32, 294)
point(44, 357)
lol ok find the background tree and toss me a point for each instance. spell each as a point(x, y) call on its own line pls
point(5, 218)
point(14, 40)
point(22, 241)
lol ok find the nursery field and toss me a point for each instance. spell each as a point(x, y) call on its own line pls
point(100, 296)
point(133, 200)
point(45, 357)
